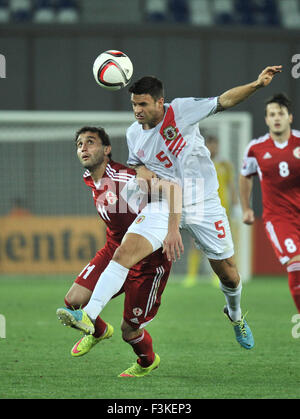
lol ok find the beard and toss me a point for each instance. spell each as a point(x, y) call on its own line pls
point(279, 131)
point(93, 164)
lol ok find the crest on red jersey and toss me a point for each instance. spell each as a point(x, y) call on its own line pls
point(296, 152)
point(137, 311)
point(170, 133)
point(111, 197)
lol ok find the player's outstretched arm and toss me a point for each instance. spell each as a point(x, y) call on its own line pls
point(236, 95)
point(246, 186)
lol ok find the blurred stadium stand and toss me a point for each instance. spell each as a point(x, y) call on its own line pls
point(267, 13)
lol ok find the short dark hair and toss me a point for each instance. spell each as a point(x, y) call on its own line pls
point(281, 99)
point(102, 134)
point(148, 85)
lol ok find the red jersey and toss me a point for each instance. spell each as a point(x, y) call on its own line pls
point(278, 168)
point(111, 206)
point(115, 211)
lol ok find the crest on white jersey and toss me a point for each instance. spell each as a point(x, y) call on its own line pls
point(267, 156)
point(170, 133)
point(296, 152)
point(139, 219)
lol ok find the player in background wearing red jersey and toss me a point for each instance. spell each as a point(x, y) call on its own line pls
point(145, 281)
point(275, 157)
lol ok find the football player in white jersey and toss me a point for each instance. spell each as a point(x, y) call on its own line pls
point(165, 144)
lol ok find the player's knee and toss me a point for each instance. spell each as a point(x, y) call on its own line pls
point(120, 254)
point(69, 303)
point(124, 256)
point(77, 296)
point(229, 277)
point(227, 272)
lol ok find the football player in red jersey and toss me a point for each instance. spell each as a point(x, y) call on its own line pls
point(275, 157)
point(146, 280)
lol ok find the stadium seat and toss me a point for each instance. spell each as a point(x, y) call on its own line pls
point(245, 12)
point(257, 12)
point(289, 13)
point(20, 10)
point(223, 6)
point(44, 11)
point(156, 10)
point(201, 12)
point(4, 11)
point(179, 10)
point(269, 12)
point(223, 11)
point(67, 11)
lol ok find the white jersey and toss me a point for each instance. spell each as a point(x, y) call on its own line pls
point(175, 150)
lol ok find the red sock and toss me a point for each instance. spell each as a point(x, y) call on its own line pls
point(142, 346)
point(294, 282)
point(100, 325)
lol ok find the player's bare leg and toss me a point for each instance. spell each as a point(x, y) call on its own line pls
point(231, 286)
point(132, 250)
point(227, 271)
point(141, 342)
point(78, 296)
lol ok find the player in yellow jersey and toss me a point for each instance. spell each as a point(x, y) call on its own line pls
point(229, 200)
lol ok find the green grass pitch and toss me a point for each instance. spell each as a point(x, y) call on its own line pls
point(199, 355)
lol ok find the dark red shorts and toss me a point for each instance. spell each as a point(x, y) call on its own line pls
point(284, 237)
point(143, 287)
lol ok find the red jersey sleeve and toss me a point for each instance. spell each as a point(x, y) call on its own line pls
point(109, 202)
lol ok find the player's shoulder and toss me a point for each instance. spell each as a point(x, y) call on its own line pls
point(189, 99)
point(260, 142)
point(180, 103)
point(132, 129)
point(119, 172)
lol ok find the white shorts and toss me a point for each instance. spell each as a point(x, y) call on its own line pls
point(152, 223)
point(207, 223)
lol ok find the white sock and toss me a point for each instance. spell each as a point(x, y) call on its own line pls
point(233, 299)
point(109, 283)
